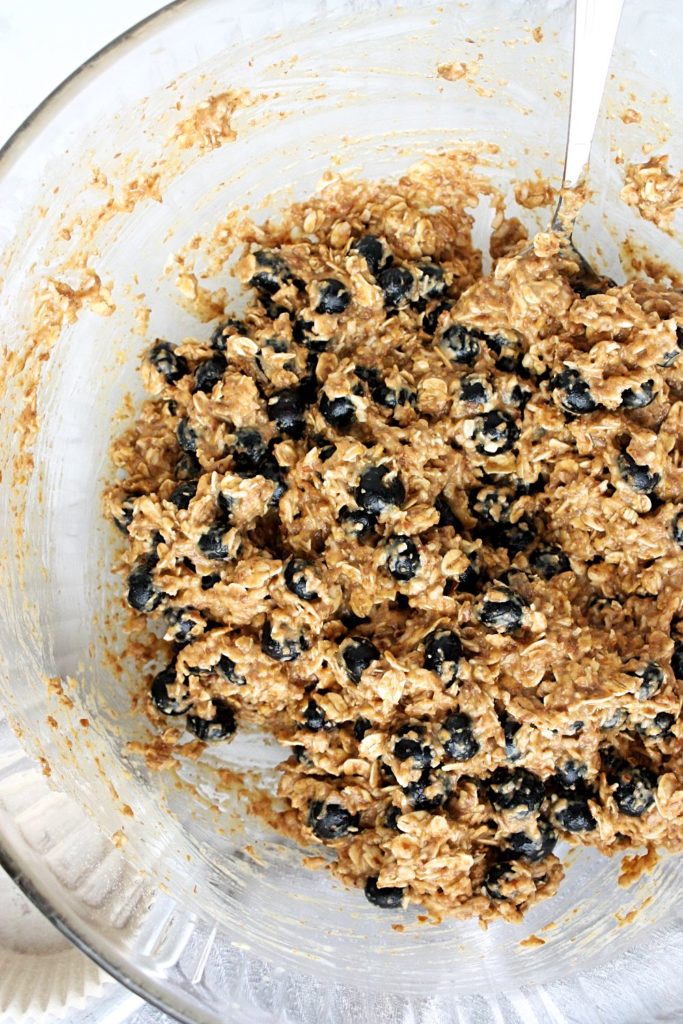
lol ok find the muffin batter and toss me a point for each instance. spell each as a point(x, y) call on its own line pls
point(424, 526)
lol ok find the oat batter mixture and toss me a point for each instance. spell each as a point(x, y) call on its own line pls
point(426, 527)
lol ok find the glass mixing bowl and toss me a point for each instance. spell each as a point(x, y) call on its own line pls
point(163, 877)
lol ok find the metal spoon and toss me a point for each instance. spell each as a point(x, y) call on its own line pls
point(595, 28)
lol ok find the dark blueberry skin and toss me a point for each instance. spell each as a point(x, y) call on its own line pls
point(397, 283)
point(515, 789)
point(124, 518)
point(357, 522)
point(360, 727)
point(179, 625)
point(576, 816)
point(188, 466)
point(358, 654)
point(461, 744)
point(570, 773)
point(297, 581)
point(447, 516)
point(212, 543)
point(391, 817)
point(226, 330)
point(636, 476)
point(615, 720)
point(226, 506)
point(182, 495)
point(497, 433)
point(287, 408)
point(226, 668)
point(504, 615)
point(430, 280)
point(415, 791)
point(272, 272)
point(248, 451)
point(501, 872)
point(280, 650)
point(165, 360)
point(677, 660)
point(160, 696)
point(443, 651)
point(142, 594)
point(333, 297)
point(379, 488)
point(656, 727)
point(638, 397)
point(474, 391)
point(430, 319)
point(492, 504)
point(651, 680)
point(677, 529)
point(374, 251)
point(221, 726)
point(331, 821)
point(460, 344)
point(406, 748)
point(469, 579)
point(510, 730)
point(549, 562)
point(514, 537)
point(338, 412)
point(403, 558)
point(314, 717)
point(574, 393)
point(634, 788)
point(536, 848)
point(209, 372)
point(186, 436)
point(387, 897)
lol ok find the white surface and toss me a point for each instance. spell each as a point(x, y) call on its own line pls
point(41, 43)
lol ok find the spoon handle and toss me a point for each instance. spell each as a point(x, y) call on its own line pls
point(595, 28)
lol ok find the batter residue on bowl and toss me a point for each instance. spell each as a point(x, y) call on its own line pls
point(426, 527)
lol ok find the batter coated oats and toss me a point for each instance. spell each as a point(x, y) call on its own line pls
point(425, 527)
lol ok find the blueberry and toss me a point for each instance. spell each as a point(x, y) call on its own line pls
point(499, 874)
point(571, 772)
point(640, 478)
point(510, 730)
point(287, 649)
point(469, 580)
point(443, 651)
point(430, 319)
point(389, 897)
point(474, 391)
point(497, 433)
point(248, 451)
point(287, 408)
point(300, 579)
point(360, 727)
point(374, 251)
point(272, 272)
point(379, 488)
point(549, 562)
point(338, 412)
point(142, 594)
point(391, 817)
point(123, 516)
point(226, 506)
point(677, 529)
point(615, 720)
point(182, 495)
point(209, 372)
point(461, 744)
point(634, 788)
point(212, 543)
point(314, 717)
point(227, 329)
point(657, 727)
point(403, 558)
point(515, 789)
point(357, 522)
point(677, 660)
point(406, 748)
point(188, 466)
point(572, 813)
point(330, 820)
point(514, 537)
point(186, 436)
point(226, 668)
point(430, 280)
point(180, 625)
point(574, 393)
point(491, 504)
point(460, 344)
point(358, 653)
point(165, 360)
point(516, 396)
point(397, 283)
point(651, 679)
point(302, 334)
point(533, 848)
point(502, 610)
point(447, 516)
point(161, 698)
point(416, 792)
point(638, 397)
point(219, 727)
point(333, 297)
